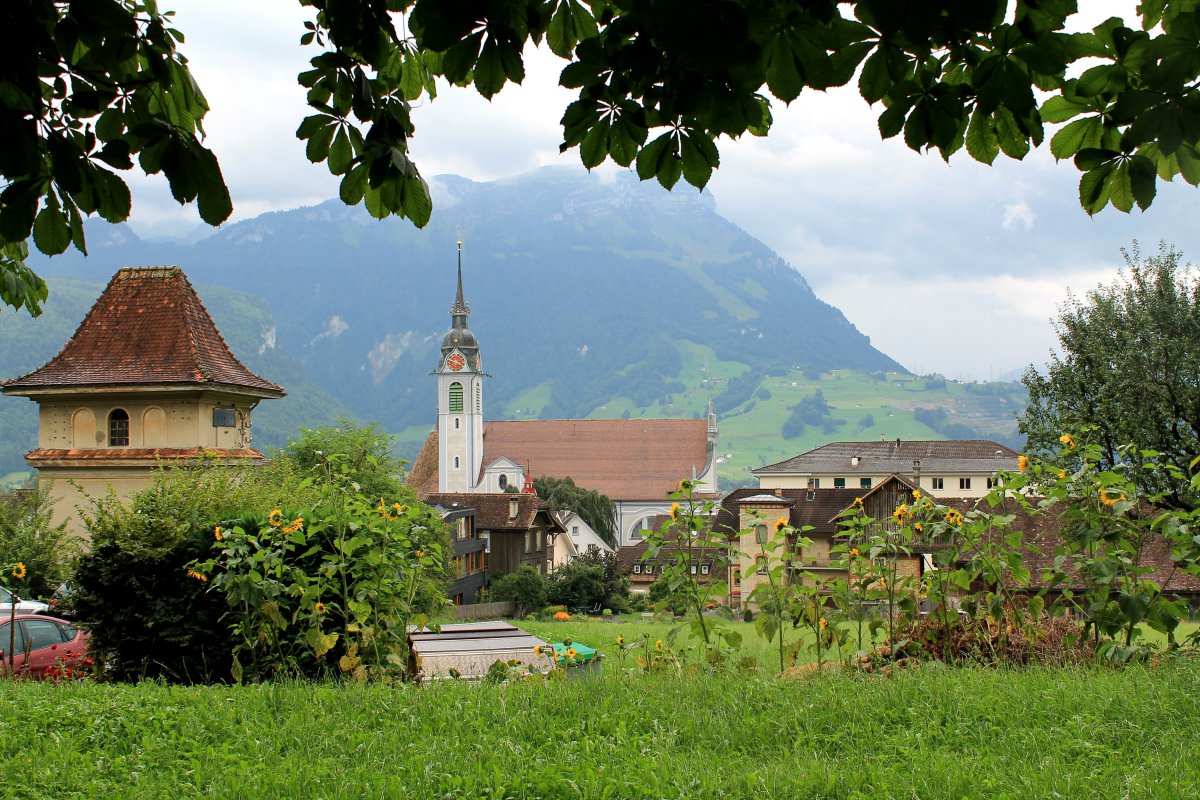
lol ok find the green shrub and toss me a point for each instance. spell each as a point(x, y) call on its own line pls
point(528, 588)
point(28, 538)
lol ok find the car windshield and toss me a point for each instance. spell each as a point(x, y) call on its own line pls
point(5, 595)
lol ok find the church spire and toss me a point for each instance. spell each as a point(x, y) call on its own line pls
point(460, 305)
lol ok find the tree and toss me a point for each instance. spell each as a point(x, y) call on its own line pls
point(365, 452)
point(593, 508)
point(88, 86)
point(1127, 370)
point(590, 579)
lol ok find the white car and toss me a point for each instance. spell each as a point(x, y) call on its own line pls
point(7, 599)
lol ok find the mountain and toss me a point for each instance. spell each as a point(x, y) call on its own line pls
point(590, 296)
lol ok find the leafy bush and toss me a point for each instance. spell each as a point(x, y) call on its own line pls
point(28, 538)
point(527, 587)
point(330, 591)
point(592, 579)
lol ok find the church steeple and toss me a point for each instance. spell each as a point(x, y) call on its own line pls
point(460, 399)
point(459, 338)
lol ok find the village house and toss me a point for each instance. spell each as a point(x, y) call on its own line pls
point(146, 380)
point(706, 564)
point(749, 517)
point(954, 468)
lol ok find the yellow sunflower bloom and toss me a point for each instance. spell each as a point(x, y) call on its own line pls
point(674, 510)
point(571, 653)
point(916, 494)
point(319, 608)
point(857, 502)
point(295, 526)
point(658, 645)
point(781, 523)
point(1022, 463)
point(1068, 440)
point(275, 518)
point(217, 533)
point(197, 575)
point(824, 623)
point(19, 570)
point(854, 552)
point(1111, 498)
point(620, 641)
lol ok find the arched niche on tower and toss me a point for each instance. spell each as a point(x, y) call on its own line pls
point(154, 427)
point(83, 429)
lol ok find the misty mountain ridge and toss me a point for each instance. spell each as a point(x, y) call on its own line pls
point(590, 296)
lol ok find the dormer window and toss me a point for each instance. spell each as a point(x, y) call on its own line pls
point(118, 428)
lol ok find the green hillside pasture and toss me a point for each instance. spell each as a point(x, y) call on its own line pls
point(529, 403)
point(939, 733)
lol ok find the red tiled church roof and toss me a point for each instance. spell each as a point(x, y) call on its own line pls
point(148, 327)
point(626, 459)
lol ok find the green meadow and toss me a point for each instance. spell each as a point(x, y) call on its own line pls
point(934, 733)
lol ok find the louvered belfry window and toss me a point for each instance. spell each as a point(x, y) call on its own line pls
point(118, 428)
point(456, 398)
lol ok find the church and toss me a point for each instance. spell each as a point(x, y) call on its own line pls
point(637, 463)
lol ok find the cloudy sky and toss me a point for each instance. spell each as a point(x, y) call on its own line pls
point(949, 268)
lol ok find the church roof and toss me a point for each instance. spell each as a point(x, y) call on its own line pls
point(147, 327)
point(626, 459)
point(959, 456)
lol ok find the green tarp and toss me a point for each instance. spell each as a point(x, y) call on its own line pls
point(583, 653)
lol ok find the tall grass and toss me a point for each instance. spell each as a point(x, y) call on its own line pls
point(928, 734)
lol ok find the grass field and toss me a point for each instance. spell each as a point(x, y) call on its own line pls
point(932, 734)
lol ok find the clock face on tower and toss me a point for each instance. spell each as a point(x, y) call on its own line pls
point(456, 362)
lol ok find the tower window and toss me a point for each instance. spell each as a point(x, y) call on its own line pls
point(456, 398)
point(456, 462)
point(118, 428)
point(478, 398)
point(456, 423)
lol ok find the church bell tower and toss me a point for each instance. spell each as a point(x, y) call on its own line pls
point(460, 400)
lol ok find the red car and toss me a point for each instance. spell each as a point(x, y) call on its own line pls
point(55, 647)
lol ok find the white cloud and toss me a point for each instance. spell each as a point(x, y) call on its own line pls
point(1018, 214)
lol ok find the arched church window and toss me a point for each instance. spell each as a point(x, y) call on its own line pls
point(456, 398)
point(503, 482)
point(118, 428)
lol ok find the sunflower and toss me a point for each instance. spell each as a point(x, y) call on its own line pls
point(295, 526)
point(620, 641)
point(217, 533)
point(916, 495)
point(319, 608)
point(197, 575)
point(275, 518)
point(954, 517)
point(674, 510)
point(537, 650)
point(658, 645)
point(901, 513)
point(1110, 499)
point(400, 508)
point(918, 527)
point(1022, 463)
point(824, 623)
point(1068, 440)
point(571, 653)
point(781, 523)
point(19, 570)
point(857, 503)
point(854, 552)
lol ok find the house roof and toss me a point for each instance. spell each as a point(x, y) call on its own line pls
point(897, 456)
point(423, 477)
point(148, 327)
point(818, 507)
point(492, 509)
point(625, 459)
